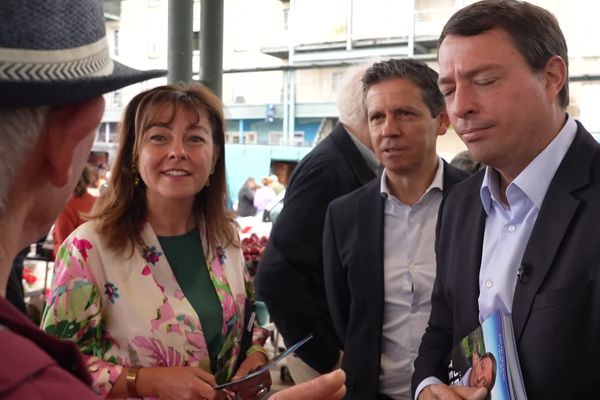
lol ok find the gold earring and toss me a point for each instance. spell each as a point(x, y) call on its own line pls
point(136, 176)
point(212, 171)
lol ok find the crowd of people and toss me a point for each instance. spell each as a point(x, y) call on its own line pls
point(384, 252)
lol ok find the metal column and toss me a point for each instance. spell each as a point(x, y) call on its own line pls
point(211, 44)
point(180, 46)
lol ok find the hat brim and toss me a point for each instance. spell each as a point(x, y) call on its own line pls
point(35, 93)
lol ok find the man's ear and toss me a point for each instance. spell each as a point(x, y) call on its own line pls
point(65, 128)
point(555, 74)
point(444, 122)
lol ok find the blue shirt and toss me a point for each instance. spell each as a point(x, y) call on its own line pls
point(508, 226)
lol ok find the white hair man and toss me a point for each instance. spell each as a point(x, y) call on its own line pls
point(290, 274)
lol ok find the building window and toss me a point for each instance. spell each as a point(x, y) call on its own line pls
point(336, 78)
point(107, 132)
point(116, 42)
point(286, 18)
point(234, 138)
point(153, 49)
point(117, 98)
point(277, 139)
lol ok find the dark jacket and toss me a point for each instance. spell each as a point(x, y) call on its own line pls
point(556, 306)
point(35, 365)
point(245, 206)
point(290, 273)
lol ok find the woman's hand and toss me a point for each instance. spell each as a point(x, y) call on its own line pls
point(169, 383)
point(256, 387)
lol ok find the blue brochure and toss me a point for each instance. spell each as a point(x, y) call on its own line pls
point(265, 367)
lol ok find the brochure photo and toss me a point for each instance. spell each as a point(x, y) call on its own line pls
point(268, 365)
point(487, 357)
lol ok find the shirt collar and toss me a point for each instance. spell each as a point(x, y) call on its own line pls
point(437, 183)
point(535, 179)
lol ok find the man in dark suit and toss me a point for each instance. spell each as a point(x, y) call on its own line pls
point(290, 273)
point(522, 235)
point(378, 243)
point(245, 206)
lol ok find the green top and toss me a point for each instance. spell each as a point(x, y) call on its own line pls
point(186, 257)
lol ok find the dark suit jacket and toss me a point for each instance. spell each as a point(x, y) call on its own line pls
point(246, 202)
point(290, 273)
point(556, 307)
point(353, 263)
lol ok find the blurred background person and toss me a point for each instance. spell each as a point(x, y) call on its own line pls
point(104, 184)
point(464, 161)
point(264, 195)
point(15, 292)
point(290, 274)
point(154, 288)
point(245, 206)
point(275, 184)
point(74, 212)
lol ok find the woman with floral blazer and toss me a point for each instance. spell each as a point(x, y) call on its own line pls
point(115, 294)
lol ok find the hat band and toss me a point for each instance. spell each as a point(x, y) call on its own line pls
point(21, 65)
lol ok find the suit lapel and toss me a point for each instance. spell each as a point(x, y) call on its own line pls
point(452, 176)
point(370, 224)
point(554, 218)
point(471, 231)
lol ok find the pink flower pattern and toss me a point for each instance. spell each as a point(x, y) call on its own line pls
point(106, 296)
point(83, 246)
point(163, 356)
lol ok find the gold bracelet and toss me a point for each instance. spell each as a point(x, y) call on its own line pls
point(131, 379)
point(256, 348)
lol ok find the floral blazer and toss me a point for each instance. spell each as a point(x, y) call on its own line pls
point(131, 311)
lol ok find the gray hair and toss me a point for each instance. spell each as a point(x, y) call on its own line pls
point(19, 130)
point(350, 105)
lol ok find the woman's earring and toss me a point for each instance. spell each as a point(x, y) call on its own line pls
point(212, 171)
point(136, 176)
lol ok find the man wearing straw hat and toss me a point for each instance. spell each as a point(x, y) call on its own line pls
point(54, 68)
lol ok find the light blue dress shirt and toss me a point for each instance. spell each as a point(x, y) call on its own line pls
point(508, 226)
point(408, 275)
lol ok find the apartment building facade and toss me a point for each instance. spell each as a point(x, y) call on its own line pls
point(283, 60)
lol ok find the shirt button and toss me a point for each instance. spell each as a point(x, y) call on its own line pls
point(512, 228)
point(489, 283)
point(411, 266)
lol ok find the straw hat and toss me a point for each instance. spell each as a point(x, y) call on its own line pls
point(56, 51)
